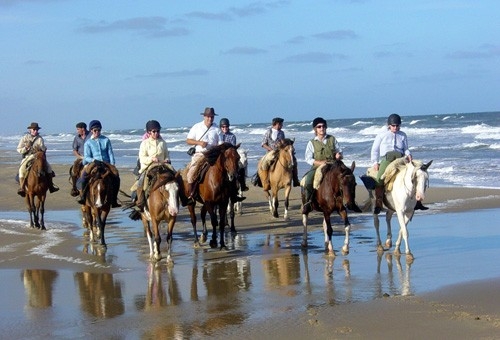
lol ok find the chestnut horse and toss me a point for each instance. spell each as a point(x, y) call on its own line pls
point(37, 184)
point(97, 201)
point(335, 186)
point(280, 176)
point(217, 183)
point(162, 205)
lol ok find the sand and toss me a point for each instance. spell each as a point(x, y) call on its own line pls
point(464, 311)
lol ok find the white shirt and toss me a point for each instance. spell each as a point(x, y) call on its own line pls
point(213, 136)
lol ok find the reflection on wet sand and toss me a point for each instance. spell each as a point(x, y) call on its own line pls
point(100, 294)
point(38, 287)
point(404, 286)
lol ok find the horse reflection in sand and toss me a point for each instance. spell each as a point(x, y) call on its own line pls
point(335, 189)
point(405, 184)
point(38, 285)
point(37, 184)
point(100, 294)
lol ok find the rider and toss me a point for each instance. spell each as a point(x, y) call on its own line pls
point(204, 135)
point(153, 150)
point(269, 142)
point(28, 145)
point(98, 148)
point(229, 137)
point(387, 147)
point(82, 135)
point(321, 149)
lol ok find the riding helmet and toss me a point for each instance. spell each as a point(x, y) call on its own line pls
point(394, 119)
point(224, 121)
point(152, 125)
point(95, 124)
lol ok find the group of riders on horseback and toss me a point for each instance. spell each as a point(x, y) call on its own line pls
point(91, 148)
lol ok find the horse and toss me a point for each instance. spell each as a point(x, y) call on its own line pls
point(37, 184)
point(74, 173)
point(216, 185)
point(280, 175)
point(236, 207)
point(405, 184)
point(162, 205)
point(98, 201)
point(335, 186)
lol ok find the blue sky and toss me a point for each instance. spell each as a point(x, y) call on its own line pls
point(125, 62)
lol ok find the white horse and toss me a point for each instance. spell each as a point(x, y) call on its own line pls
point(405, 184)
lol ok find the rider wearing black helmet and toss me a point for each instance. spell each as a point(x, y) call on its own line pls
point(388, 146)
point(229, 137)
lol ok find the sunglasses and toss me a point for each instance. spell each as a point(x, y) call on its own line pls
point(155, 131)
point(224, 127)
point(96, 130)
point(395, 125)
point(320, 126)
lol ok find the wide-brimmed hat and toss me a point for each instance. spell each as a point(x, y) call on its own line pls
point(209, 111)
point(34, 126)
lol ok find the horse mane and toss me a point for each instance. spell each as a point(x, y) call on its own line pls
point(283, 143)
point(324, 168)
point(212, 154)
point(394, 168)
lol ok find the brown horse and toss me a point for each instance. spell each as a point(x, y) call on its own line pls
point(162, 205)
point(37, 184)
point(215, 188)
point(280, 176)
point(74, 173)
point(98, 201)
point(335, 191)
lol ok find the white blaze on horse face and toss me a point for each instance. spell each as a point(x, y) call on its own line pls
point(173, 192)
point(421, 178)
point(98, 202)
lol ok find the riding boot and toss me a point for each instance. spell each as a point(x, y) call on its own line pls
point(115, 190)
point(140, 198)
point(420, 206)
point(379, 199)
point(74, 190)
point(52, 187)
point(83, 192)
point(295, 179)
point(241, 179)
point(21, 191)
point(191, 190)
point(306, 198)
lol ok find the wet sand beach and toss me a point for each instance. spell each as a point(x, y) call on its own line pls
point(58, 285)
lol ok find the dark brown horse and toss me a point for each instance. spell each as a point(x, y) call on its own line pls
point(216, 185)
point(280, 176)
point(336, 191)
point(98, 201)
point(37, 184)
point(162, 205)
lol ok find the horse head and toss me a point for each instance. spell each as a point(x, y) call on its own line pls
point(421, 180)
point(286, 151)
point(348, 185)
point(231, 161)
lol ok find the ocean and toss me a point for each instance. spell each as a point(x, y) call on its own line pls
point(464, 147)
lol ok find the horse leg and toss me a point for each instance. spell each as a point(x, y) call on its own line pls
point(30, 209)
point(403, 234)
point(170, 231)
point(328, 231)
point(275, 203)
point(304, 232)
point(149, 235)
point(222, 226)
point(287, 196)
point(231, 207)
point(388, 217)
point(36, 212)
point(376, 224)
point(213, 220)
point(192, 216)
point(269, 201)
point(101, 223)
point(157, 240)
point(203, 215)
point(42, 213)
point(347, 230)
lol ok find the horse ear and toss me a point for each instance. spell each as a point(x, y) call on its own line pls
point(238, 145)
point(426, 166)
point(353, 166)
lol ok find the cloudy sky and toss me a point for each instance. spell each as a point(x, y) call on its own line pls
point(125, 61)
